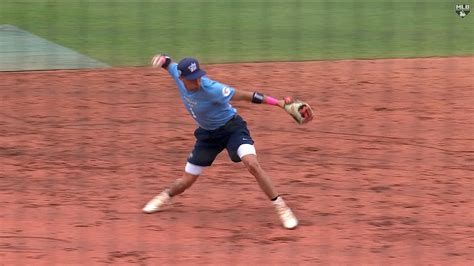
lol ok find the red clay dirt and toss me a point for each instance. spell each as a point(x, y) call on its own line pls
point(383, 175)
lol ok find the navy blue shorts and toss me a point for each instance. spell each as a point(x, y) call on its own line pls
point(209, 143)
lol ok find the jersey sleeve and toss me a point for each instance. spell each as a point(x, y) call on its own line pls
point(222, 93)
point(173, 70)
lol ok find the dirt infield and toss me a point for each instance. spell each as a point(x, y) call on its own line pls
point(383, 175)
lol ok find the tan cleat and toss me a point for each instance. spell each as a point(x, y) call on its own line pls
point(286, 215)
point(157, 202)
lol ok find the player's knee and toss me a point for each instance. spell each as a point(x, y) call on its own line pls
point(190, 179)
point(253, 166)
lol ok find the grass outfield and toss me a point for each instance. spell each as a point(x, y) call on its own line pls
point(128, 32)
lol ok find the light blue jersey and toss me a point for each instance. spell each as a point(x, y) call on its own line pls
point(209, 106)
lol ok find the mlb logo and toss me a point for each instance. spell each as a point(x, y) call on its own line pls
point(462, 10)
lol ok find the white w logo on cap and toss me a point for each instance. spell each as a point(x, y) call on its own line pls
point(192, 67)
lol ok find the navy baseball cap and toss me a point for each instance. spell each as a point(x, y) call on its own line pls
point(189, 69)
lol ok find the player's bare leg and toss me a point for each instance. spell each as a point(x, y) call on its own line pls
point(181, 184)
point(176, 188)
point(250, 161)
point(264, 181)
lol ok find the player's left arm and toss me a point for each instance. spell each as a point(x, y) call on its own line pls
point(256, 97)
point(299, 110)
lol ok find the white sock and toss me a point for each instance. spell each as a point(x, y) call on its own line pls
point(279, 201)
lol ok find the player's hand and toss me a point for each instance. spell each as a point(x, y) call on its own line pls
point(159, 60)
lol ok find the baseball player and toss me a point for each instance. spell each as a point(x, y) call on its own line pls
point(219, 128)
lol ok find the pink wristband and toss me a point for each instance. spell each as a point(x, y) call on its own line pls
point(270, 100)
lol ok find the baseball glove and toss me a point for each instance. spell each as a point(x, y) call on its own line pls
point(299, 110)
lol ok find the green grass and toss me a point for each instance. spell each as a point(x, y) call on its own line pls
point(129, 32)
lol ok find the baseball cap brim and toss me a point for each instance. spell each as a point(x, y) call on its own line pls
point(195, 75)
